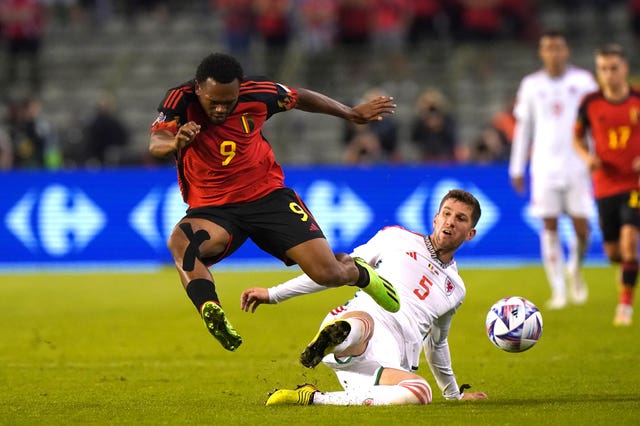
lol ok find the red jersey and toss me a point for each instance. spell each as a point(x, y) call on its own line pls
point(231, 162)
point(615, 129)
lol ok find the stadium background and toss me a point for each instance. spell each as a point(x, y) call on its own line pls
point(136, 53)
point(114, 347)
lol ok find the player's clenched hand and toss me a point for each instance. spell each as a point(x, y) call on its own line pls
point(186, 134)
point(373, 110)
point(594, 162)
point(253, 297)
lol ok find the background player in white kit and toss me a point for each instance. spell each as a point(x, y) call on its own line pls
point(373, 352)
point(546, 109)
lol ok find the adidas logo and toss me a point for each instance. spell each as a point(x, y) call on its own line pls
point(314, 227)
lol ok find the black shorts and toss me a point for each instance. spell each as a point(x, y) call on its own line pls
point(618, 210)
point(276, 223)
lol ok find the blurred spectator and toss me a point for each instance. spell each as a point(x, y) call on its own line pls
point(274, 27)
point(6, 151)
point(318, 24)
point(33, 139)
point(65, 12)
point(505, 121)
point(634, 15)
point(520, 19)
point(375, 142)
point(488, 20)
point(490, 146)
point(354, 22)
point(433, 130)
point(101, 11)
point(147, 14)
point(493, 144)
point(354, 19)
point(317, 29)
point(104, 135)
point(478, 20)
point(599, 9)
point(429, 19)
point(389, 27)
point(237, 20)
point(479, 26)
point(23, 24)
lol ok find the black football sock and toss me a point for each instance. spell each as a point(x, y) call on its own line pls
point(200, 291)
point(363, 276)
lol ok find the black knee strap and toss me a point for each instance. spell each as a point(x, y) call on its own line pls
point(193, 249)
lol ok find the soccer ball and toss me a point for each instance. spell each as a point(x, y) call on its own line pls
point(514, 324)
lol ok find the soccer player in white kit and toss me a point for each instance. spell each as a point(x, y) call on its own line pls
point(373, 352)
point(546, 109)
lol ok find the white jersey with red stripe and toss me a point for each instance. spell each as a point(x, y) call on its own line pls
point(430, 293)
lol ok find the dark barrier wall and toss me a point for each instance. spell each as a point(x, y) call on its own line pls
point(123, 217)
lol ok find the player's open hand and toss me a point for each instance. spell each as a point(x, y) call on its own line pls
point(253, 297)
point(373, 110)
point(186, 134)
point(468, 396)
point(517, 182)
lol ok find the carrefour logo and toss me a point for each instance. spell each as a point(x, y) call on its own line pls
point(57, 220)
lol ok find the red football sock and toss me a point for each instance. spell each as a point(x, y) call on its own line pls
point(626, 295)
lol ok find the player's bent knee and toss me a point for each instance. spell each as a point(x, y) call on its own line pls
point(184, 245)
point(419, 391)
point(367, 322)
point(177, 243)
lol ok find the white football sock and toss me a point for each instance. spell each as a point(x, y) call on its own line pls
point(553, 261)
point(360, 329)
point(407, 392)
point(577, 251)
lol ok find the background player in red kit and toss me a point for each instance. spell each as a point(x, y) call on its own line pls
point(235, 189)
point(612, 116)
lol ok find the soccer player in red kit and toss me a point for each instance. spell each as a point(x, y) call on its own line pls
point(612, 117)
point(235, 189)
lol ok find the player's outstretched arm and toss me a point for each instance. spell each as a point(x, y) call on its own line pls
point(373, 110)
point(251, 298)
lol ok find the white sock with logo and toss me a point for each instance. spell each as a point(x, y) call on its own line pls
point(406, 392)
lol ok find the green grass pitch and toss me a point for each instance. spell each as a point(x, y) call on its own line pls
point(120, 348)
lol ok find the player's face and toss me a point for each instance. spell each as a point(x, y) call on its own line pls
point(217, 99)
point(611, 71)
point(554, 54)
point(452, 225)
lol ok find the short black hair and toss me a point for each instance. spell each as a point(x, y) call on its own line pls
point(611, 49)
point(553, 33)
point(220, 67)
point(467, 198)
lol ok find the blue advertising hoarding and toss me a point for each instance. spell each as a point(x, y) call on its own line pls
point(122, 218)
